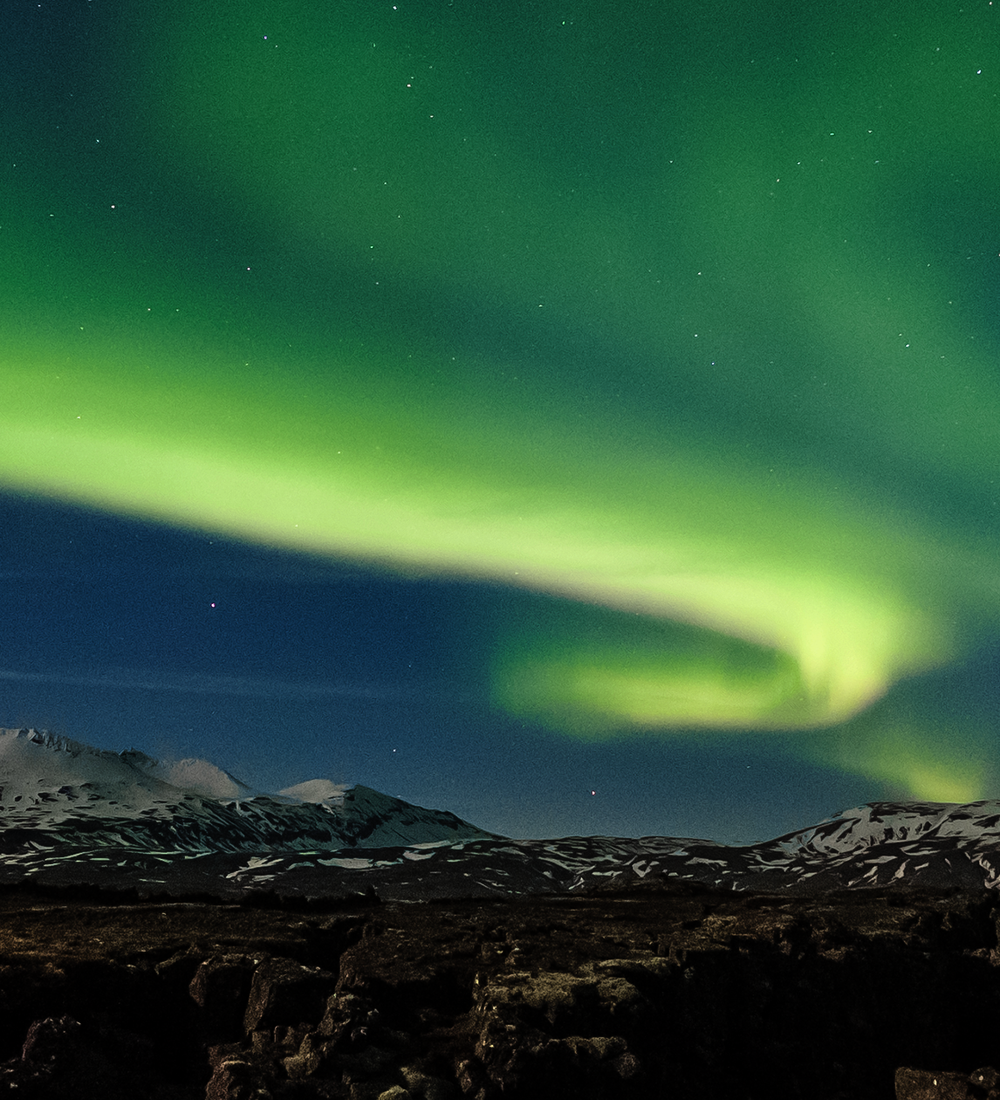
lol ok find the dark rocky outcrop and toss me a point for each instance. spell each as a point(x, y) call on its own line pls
point(221, 990)
point(659, 991)
point(286, 993)
point(922, 1084)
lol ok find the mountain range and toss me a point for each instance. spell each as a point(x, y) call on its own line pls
point(74, 814)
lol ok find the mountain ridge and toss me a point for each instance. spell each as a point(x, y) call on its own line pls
point(70, 813)
point(61, 790)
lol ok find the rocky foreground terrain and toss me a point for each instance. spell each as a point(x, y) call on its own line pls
point(168, 933)
point(651, 990)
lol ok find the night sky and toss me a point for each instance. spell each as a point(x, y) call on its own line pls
point(584, 420)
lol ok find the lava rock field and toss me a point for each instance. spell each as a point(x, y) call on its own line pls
point(658, 989)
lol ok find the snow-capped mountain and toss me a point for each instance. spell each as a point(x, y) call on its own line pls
point(70, 813)
point(54, 790)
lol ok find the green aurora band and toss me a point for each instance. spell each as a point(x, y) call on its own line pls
point(704, 368)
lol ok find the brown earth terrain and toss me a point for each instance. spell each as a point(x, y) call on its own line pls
point(658, 991)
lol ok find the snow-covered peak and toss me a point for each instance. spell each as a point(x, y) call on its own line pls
point(38, 768)
point(20, 739)
point(35, 761)
point(58, 786)
point(893, 822)
point(318, 791)
point(201, 778)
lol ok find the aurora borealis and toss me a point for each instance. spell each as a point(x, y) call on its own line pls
point(673, 336)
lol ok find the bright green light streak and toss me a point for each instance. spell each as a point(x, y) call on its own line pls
point(335, 449)
point(939, 762)
point(823, 655)
point(788, 569)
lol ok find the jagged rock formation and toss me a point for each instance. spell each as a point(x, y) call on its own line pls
point(657, 991)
